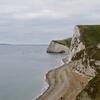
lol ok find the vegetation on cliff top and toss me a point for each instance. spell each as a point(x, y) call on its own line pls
point(66, 42)
point(90, 34)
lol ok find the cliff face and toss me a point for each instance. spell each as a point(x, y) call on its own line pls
point(76, 45)
point(85, 49)
point(92, 89)
point(56, 47)
point(80, 52)
point(70, 81)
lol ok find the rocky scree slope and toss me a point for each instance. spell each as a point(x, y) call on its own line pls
point(91, 35)
point(85, 50)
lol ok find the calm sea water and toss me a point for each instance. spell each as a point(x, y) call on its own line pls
point(22, 70)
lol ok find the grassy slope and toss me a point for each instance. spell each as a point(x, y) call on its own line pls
point(65, 42)
point(90, 35)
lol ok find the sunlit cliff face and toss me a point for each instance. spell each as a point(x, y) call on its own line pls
point(76, 43)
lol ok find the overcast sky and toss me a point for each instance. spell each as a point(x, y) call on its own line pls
point(39, 21)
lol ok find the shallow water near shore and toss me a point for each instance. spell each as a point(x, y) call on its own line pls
point(22, 70)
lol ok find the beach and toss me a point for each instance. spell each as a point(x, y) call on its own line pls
point(64, 83)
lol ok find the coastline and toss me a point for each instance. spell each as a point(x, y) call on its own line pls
point(45, 87)
point(62, 81)
point(68, 81)
point(47, 81)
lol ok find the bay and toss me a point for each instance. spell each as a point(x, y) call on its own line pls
point(23, 69)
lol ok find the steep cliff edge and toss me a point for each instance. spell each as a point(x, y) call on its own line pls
point(81, 67)
point(59, 46)
point(92, 90)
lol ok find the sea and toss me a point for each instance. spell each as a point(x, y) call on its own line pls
point(23, 69)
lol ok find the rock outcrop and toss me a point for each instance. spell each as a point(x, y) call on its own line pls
point(59, 46)
point(92, 89)
point(79, 77)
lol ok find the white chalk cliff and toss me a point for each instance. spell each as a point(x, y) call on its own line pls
point(55, 47)
point(67, 81)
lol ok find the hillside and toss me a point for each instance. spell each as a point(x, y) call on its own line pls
point(79, 77)
point(90, 34)
point(92, 40)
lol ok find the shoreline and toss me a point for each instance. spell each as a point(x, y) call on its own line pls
point(45, 87)
point(62, 81)
point(67, 81)
point(46, 82)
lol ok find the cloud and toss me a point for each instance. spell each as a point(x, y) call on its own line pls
point(32, 9)
point(46, 19)
point(35, 15)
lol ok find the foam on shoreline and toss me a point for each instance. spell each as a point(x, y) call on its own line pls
point(62, 81)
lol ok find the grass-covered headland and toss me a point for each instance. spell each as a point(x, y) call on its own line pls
point(90, 35)
point(66, 42)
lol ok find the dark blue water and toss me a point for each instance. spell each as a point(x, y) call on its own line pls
point(22, 70)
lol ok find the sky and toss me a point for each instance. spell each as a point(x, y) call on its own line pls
point(40, 21)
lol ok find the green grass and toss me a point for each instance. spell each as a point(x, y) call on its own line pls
point(66, 42)
point(90, 34)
